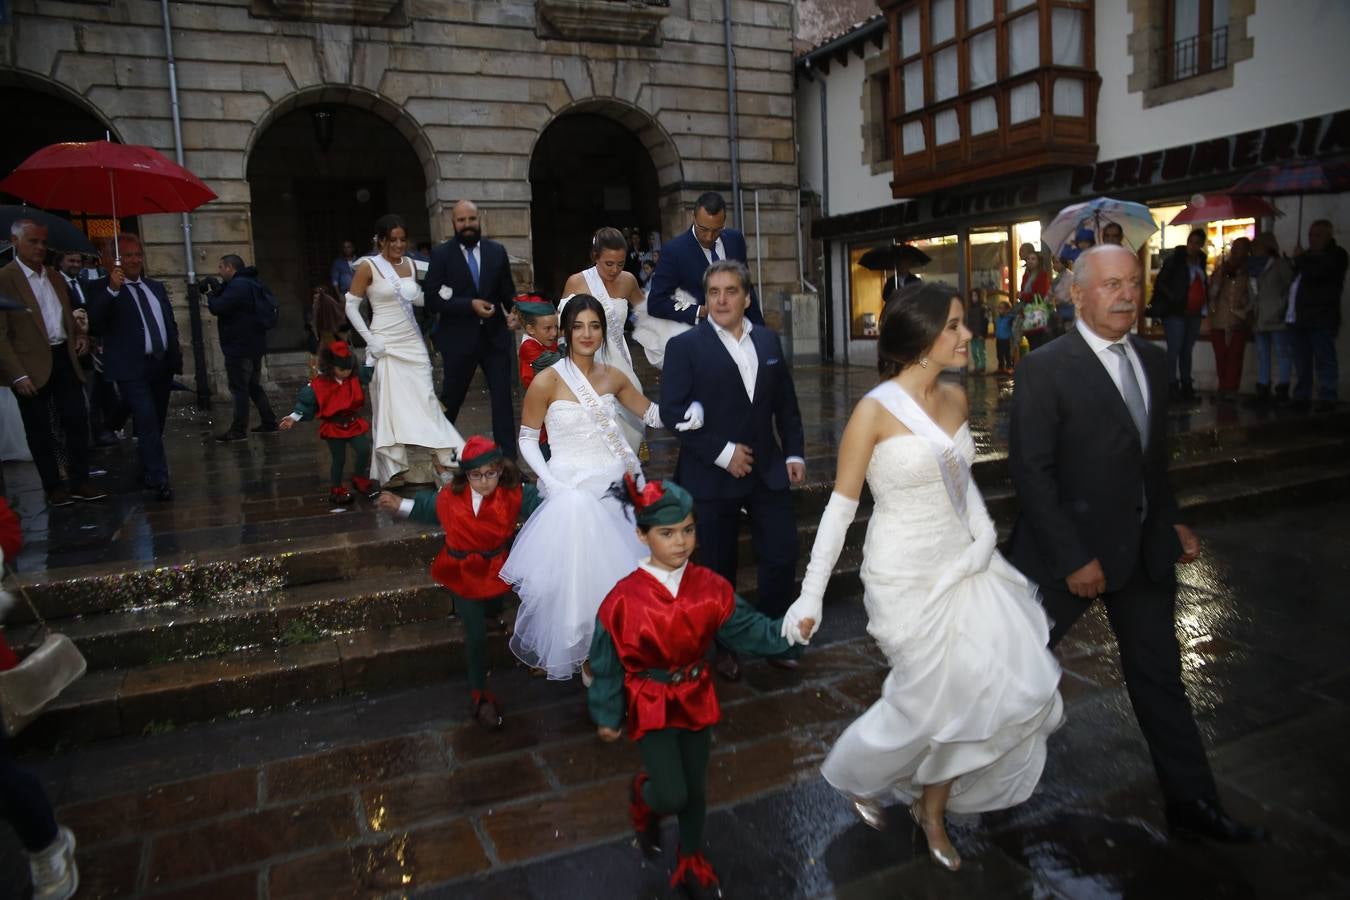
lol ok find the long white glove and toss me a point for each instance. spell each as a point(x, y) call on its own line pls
point(829, 543)
point(374, 345)
point(693, 417)
point(528, 442)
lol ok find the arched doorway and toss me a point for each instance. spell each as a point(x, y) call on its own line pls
point(320, 174)
point(587, 171)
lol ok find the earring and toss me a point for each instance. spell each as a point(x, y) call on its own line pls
point(923, 363)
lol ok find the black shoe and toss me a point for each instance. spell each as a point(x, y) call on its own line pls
point(58, 497)
point(784, 662)
point(727, 664)
point(230, 437)
point(86, 491)
point(164, 493)
point(266, 429)
point(1205, 818)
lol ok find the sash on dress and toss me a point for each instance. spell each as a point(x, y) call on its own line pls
point(954, 469)
point(596, 285)
point(390, 274)
point(609, 428)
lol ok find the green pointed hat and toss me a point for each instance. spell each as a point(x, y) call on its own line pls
point(659, 502)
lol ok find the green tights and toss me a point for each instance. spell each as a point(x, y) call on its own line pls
point(337, 449)
point(676, 761)
point(475, 614)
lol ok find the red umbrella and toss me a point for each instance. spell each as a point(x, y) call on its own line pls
point(1212, 207)
point(106, 179)
point(1305, 176)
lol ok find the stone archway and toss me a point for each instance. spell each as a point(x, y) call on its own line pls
point(321, 169)
point(597, 163)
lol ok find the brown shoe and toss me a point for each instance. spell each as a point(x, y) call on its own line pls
point(58, 497)
point(727, 664)
point(86, 491)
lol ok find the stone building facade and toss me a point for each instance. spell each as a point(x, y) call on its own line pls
point(309, 120)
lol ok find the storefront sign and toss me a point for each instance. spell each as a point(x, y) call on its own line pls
point(1003, 196)
point(1318, 136)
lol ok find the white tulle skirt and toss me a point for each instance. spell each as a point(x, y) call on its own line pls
point(972, 696)
point(572, 550)
point(653, 333)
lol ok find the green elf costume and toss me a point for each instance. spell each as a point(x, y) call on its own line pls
point(479, 527)
point(335, 398)
point(648, 655)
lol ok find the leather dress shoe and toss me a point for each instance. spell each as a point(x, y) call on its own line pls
point(164, 493)
point(727, 664)
point(784, 662)
point(1205, 818)
point(59, 497)
point(86, 491)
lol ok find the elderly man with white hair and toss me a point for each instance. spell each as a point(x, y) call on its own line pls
point(1097, 519)
point(40, 346)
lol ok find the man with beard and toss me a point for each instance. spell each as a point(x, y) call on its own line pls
point(469, 286)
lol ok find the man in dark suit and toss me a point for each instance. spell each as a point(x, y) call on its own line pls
point(131, 313)
point(1097, 519)
point(736, 461)
point(40, 347)
point(469, 286)
point(100, 398)
point(685, 257)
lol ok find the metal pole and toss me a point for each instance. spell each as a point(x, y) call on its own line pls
point(193, 300)
point(759, 259)
point(733, 130)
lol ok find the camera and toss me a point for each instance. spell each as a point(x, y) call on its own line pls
point(208, 285)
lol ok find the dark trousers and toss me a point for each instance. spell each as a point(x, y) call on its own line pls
point(474, 615)
point(676, 762)
point(1315, 353)
point(496, 366)
point(1180, 333)
point(147, 399)
point(773, 532)
point(1142, 614)
point(64, 392)
point(24, 804)
point(1003, 346)
point(244, 374)
point(337, 456)
point(1229, 349)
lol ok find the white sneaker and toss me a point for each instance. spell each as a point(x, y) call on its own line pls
point(53, 870)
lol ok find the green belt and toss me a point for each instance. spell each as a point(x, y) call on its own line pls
point(675, 676)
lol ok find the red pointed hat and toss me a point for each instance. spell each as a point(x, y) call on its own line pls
point(478, 451)
point(340, 349)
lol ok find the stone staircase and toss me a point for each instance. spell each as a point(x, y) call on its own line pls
point(343, 604)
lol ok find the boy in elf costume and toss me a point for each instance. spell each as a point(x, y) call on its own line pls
point(335, 397)
point(539, 348)
point(648, 655)
point(479, 525)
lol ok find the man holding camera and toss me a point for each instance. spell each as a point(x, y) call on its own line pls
point(240, 306)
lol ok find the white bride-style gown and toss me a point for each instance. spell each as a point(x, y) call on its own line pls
point(574, 548)
point(972, 693)
point(404, 407)
point(616, 350)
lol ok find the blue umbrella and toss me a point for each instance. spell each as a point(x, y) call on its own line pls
point(1134, 220)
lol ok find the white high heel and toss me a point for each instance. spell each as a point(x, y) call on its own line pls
point(951, 862)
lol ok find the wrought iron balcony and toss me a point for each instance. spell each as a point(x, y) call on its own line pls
point(1196, 55)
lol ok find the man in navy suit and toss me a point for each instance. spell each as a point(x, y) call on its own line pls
point(686, 257)
point(131, 313)
point(469, 285)
point(751, 446)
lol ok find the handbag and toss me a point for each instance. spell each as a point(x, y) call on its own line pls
point(40, 677)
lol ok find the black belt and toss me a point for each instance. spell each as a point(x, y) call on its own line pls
point(690, 672)
point(486, 554)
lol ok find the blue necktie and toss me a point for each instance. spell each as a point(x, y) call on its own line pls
point(473, 266)
point(712, 251)
point(151, 325)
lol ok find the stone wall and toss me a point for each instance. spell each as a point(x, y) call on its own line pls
point(470, 85)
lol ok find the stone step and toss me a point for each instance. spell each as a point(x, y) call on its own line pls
point(399, 634)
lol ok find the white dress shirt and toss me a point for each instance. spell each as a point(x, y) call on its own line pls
point(707, 254)
point(744, 355)
point(670, 578)
point(48, 303)
point(1100, 347)
point(76, 292)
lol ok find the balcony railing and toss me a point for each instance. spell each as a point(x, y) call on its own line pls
point(1197, 55)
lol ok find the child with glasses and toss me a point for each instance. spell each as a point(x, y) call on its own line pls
point(480, 524)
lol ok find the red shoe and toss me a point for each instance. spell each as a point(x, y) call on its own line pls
point(646, 822)
point(339, 495)
point(485, 710)
point(696, 876)
point(365, 487)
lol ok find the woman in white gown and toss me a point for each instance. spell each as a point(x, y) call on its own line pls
point(973, 692)
point(405, 411)
point(616, 290)
point(579, 542)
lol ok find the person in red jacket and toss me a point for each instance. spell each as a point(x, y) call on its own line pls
point(335, 398)
point(479, 524)
point(539, 349)
point(648, 656)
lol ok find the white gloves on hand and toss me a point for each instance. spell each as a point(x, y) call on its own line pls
point(693, 417)
point(374, 345)
point(829, 543)
point(528, 442)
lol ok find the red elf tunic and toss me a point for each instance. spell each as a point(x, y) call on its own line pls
point(661, 641)
point(339, 406)
point(530, 350)
point(475, 545)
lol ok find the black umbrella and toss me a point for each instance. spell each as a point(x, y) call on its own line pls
point(61, 234)
point(8, 305)
point(884, 259)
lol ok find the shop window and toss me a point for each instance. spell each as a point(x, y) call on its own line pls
point(1219, 237)
point(866, 286)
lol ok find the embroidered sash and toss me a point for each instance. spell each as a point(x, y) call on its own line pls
point(404, 294)
point(609, 428)
point(955, 471)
